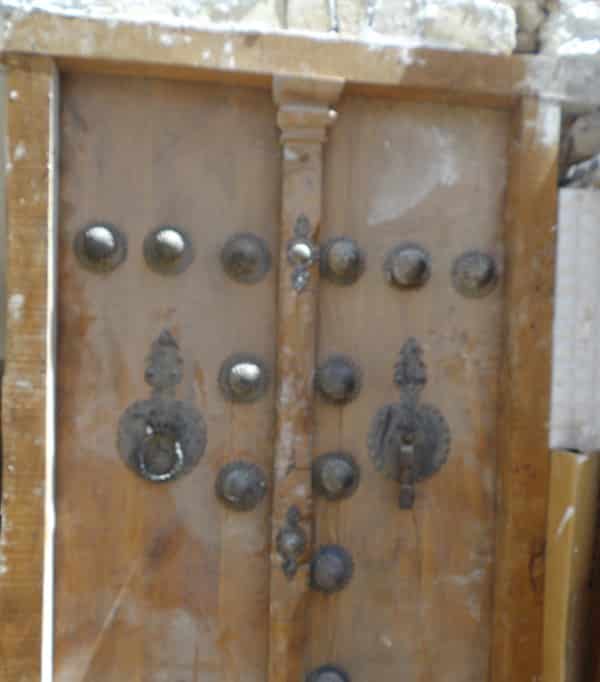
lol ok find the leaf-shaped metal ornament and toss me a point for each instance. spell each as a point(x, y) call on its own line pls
point(162, 438)
point(409, 441)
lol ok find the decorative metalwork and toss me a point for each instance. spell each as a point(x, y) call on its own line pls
point(100, 247)
point(335, 475)
point(168, 250)
point(243, 378)
point(246, 258)
point(328, 673)
point(291, 542)
point(241, 485)
point(162, 438)
point(474, 274)
point(407, 266)
point(342, 261)
point(302, 254)
point(409, 441)
point(331, 569)
point(339, 379)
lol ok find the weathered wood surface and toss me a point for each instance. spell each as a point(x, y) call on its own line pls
point(572, 512)
point(419, 605)
point(27, 396)
point(157, 50)
point(304, 116)
point(161, 581)
point(523, 456)
point(184, 586)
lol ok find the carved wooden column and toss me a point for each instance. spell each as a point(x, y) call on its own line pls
point(304, 116)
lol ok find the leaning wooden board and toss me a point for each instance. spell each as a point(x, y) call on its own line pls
point(162, 580)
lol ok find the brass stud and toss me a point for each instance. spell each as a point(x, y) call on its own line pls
point(474, 274)
point(243, 378)
point(328, 673)
point(342, 261)
point(100, 247)
point(168, 250)
point(301, 252)
point(246, 258)
point(407, 266)
point(339, 379)
point(335, 475)
point(241, 485)
point(331, 569)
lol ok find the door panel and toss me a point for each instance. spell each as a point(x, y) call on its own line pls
point(160, 581)
point(419, 603)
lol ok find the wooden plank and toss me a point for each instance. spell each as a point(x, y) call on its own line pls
point(183, 592)
point(479, 79)
point(574, 484)
point(523, 458)
point(419, 605)
point(27, 400)
point(304, 116)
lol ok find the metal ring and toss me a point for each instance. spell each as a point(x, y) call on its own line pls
point(169, 475)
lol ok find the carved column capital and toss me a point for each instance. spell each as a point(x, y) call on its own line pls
point(305, 107)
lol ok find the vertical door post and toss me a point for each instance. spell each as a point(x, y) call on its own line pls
point(304, 115)
point(28, 389)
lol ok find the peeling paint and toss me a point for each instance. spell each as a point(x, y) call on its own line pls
point(16, 303)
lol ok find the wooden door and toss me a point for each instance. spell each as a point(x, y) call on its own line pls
point(419, 604)
point(157, 576)
point(161, 581)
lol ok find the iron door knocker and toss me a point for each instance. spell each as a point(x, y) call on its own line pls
point(409, 441)
point(162, 438)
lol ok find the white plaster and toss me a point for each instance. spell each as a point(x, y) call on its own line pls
point(385, 203)
point(386, 641)
point(482, 25)
point(575, 401)
point(485, 25)
point(16, 302)
point(573, 28)
point(20, 151)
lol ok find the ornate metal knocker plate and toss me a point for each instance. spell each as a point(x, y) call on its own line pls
point(291, 542)
point(162, 438)
point(409, 441)
point(302, 253)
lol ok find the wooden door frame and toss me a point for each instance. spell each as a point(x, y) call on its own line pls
point(39, 46)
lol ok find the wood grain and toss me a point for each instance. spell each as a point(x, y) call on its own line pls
point(27, 389)
point(419, 604)
point(531, 216)
point(159, 51)
point(161, 581)
point(303, 117)
point(572, 513)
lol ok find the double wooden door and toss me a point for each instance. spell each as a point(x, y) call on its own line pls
point(277, 437)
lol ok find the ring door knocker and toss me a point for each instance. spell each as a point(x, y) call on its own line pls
point(409, 441)
point(162, 438)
